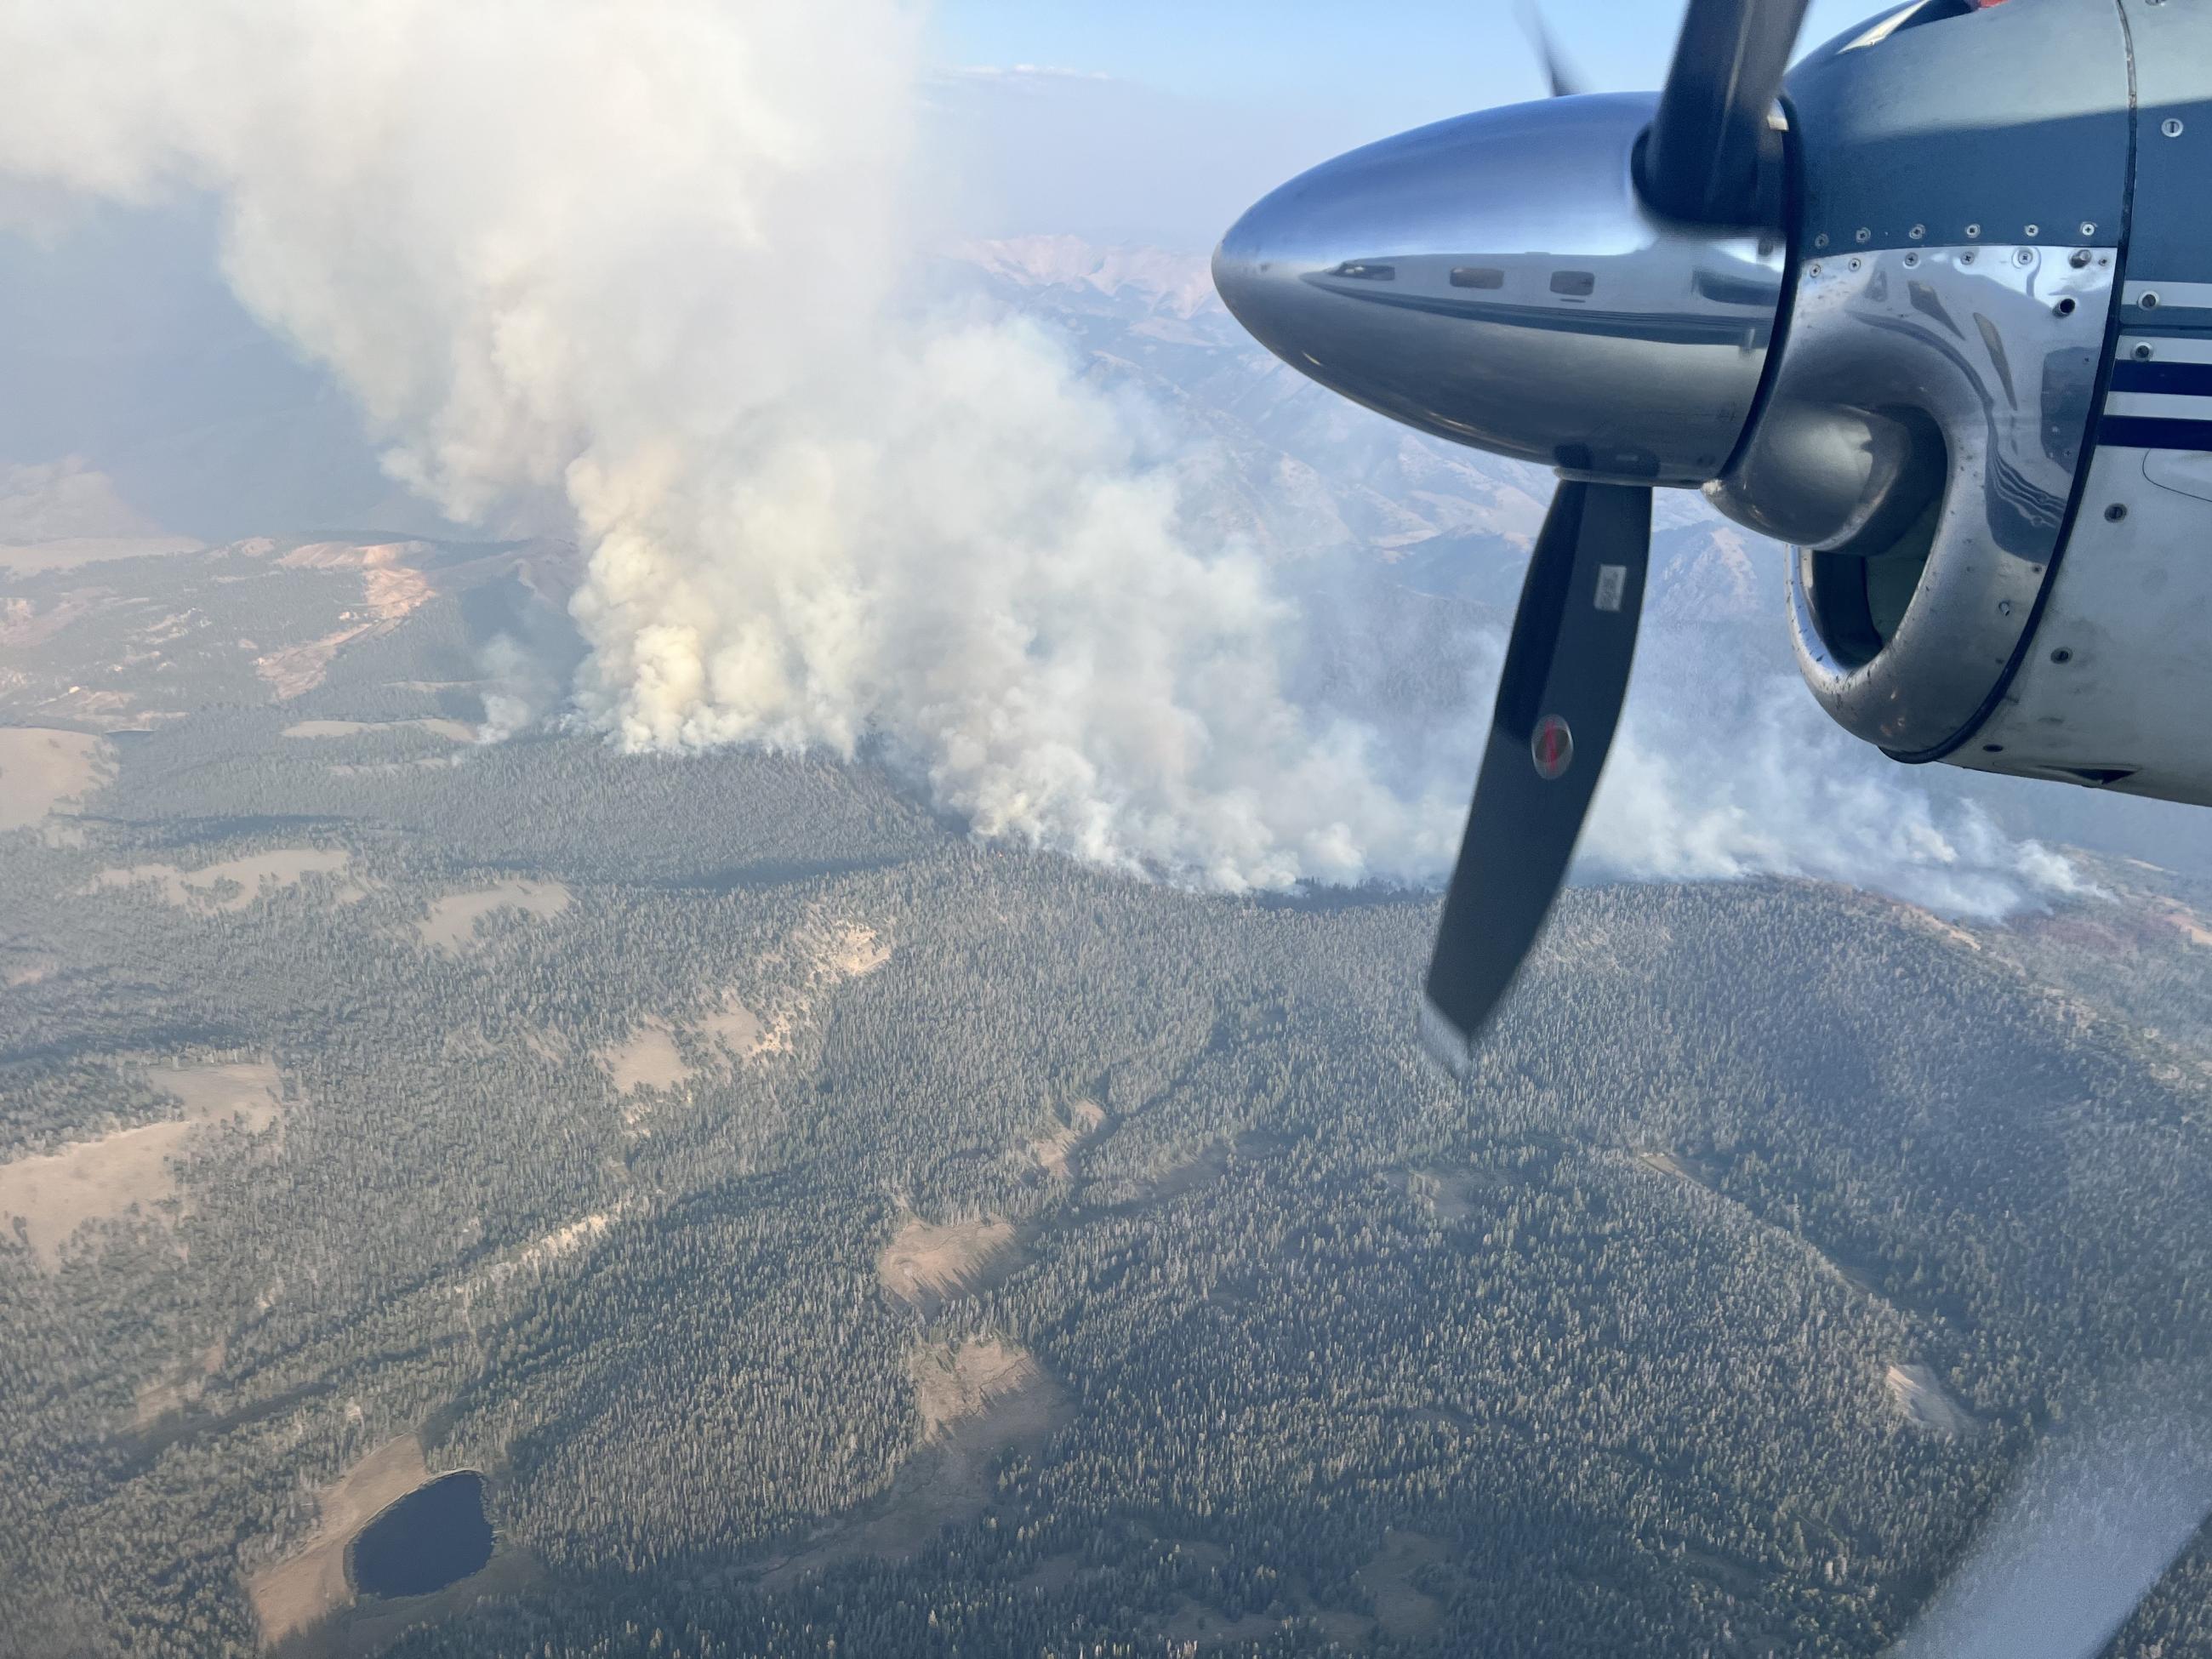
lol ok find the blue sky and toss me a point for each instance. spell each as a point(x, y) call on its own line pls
point(1425, 58)
point(1164, 118)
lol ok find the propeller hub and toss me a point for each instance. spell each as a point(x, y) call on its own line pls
point(1497, 280)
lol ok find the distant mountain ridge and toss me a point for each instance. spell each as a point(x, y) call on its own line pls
point(1180, 284)
point(64, 499)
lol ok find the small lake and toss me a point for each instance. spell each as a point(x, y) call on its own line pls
point(433, 1535)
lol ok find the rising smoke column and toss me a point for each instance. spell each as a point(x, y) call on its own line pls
point(658, 256)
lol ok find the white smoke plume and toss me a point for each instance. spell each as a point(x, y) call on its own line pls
point(518, 692)
point(1762, 783)
point(659, 255)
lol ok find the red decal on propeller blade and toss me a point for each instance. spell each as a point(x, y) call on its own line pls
point(1553, 747)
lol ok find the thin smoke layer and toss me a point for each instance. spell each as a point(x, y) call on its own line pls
point(1718, 787)
point(655, 256)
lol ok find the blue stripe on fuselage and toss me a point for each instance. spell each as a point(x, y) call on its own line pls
point(2144, 432)
point(2188, 380)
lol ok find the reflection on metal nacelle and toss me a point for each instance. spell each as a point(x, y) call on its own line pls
point(1980, 439)
point(1537, 310)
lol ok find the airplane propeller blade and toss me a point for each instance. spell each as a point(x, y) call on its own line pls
point(1566, 671)
point(1562, 80)
point(2092, 1522)
point(1704, 158)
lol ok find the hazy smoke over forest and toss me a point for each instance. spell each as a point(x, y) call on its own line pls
point(660, 257)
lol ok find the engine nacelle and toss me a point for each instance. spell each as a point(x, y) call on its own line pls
point(2003, 555)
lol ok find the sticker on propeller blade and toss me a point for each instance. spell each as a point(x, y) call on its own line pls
point(1611, 586)
point(1553, 747)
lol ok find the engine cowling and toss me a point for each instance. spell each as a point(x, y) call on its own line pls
point(1969, 561)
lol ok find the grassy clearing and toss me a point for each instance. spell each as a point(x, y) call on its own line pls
point(651, 1057)
point(309, 1585)
point(52, 1195)
point(235, 882)
point(1922, 1400)
point(925, 1263)
point(451, 927)
point(1054, 1152)
point(1400, 1610)
point(951, 1385)
point(44, 771)
point(454, 731)
point(646, 1059)
point(1005, 1400)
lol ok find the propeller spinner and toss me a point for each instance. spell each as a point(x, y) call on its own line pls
point(1591, 283)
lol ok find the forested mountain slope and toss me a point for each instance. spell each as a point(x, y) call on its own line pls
point(829, 1234)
